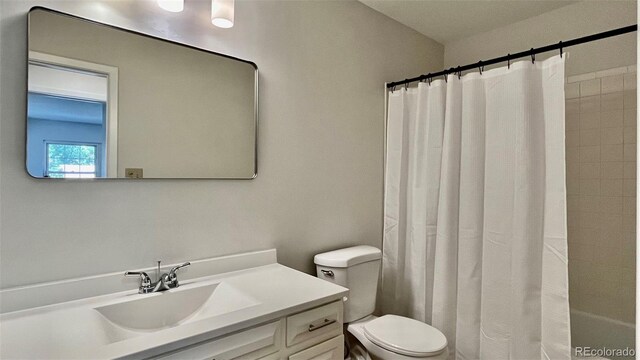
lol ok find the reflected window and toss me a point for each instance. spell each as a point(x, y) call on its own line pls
point(72, 160)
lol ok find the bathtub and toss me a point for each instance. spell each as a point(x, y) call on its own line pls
point(597, 332)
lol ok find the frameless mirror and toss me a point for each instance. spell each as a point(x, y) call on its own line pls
point(105, 102)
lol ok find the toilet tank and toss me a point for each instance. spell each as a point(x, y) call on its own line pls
point(356, 268)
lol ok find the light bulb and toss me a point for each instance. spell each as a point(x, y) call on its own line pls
point(222, 13)
point(171, 5)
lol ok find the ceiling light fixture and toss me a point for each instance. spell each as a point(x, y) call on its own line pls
point(222, 12)
point(172, 5)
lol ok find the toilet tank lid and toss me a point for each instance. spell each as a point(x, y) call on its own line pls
point(348, 257)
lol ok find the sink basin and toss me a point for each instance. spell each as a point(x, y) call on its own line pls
point(152, 312)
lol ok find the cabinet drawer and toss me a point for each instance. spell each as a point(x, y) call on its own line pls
point(248, 344)
point(329, 350)
point(315, 322)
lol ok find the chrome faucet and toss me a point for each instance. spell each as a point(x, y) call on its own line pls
point(165, 281)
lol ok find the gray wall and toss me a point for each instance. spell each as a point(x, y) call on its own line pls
point(572, 21)
point(319, 184)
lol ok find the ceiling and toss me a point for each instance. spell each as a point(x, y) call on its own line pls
point(449, 20)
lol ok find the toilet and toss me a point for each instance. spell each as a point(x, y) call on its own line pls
point(370, 337)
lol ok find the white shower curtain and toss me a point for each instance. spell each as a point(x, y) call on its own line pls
point(475, 239)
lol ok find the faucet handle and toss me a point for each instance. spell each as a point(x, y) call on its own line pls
point(173, 278)
point(145, 280)
point(176, 268)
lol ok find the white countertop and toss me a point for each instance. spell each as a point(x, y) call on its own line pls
point(75, 330)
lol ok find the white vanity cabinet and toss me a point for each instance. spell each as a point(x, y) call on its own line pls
point(313, 334)
point(243, 306)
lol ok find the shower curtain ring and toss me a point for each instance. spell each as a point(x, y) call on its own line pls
point(480, 67)
point(393, 88)
point(508, 61)
point(445, 77)
point(560, 43)
point(429, 79)
point(406, 84)
point(533, 57)
point(459, 73)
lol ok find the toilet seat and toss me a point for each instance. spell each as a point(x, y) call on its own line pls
point(405, 336)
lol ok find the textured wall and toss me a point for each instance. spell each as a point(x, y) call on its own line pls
point(319, 184)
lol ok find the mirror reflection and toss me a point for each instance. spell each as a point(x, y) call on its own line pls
point(109, 103)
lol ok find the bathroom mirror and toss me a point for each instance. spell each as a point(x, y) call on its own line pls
point(105, 102)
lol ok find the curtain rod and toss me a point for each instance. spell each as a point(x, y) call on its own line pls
point(509, 57)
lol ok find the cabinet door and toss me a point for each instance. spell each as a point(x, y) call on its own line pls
point(274, 356)
point(246, 345)
point(329, 350)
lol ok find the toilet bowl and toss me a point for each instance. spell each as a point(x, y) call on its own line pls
point(398, 338)
point(369, 337)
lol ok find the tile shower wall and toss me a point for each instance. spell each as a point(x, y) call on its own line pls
point(601, 191)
